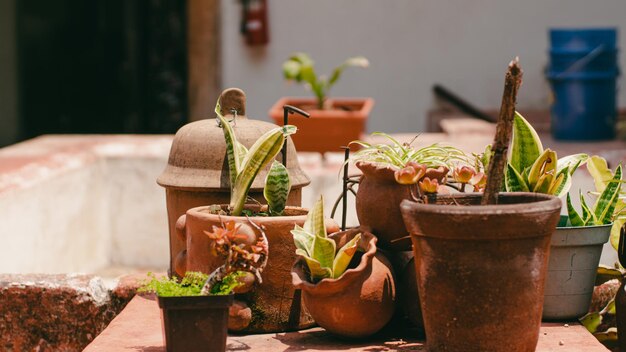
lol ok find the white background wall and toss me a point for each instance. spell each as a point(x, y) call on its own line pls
point(464, 45)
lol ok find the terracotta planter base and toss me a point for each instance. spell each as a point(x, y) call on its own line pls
point(361, 301)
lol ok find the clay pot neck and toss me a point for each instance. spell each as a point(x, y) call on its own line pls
point(367, 246)
point(377, 171)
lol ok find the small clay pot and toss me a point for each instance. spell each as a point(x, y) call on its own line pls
point(481, 269)
point(358, 303)
point(195, 323)
point(275, 304)
point(378, 205)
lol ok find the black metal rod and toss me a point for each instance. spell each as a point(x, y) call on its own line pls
point(288, 109)
point(461, 104)
point(344, 205)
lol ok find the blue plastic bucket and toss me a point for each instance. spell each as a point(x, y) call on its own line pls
point(600, 59)
point(585, 106)
point(585, 39)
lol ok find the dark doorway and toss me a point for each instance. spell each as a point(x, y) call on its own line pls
point(101, 66)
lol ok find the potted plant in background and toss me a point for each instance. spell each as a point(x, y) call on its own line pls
point(347, 285)
point(275, 306)
point(463, 246)
point(195, 310)
point(333, 122)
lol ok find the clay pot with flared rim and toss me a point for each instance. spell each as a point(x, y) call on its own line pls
point(195, 323)
point(481, 269)
point(378, 205)
point(358, 303)
point(276, 305)
point(329, 129)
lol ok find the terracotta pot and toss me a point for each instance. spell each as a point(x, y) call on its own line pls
point(358, 303)
point(197, 170)
point(574, 257)
point(197, 323)
point(378, 205)
point(481, 269)
point(275, 304)
point(409, 304)
point(325, 130)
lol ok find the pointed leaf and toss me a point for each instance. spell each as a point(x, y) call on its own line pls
point(324, 251)
point(314, 223)
point(302, 239)
point(344, 256)
point(587, 215)
point(605, 205)
point(544, 164)
point(259, 155)
point(315, 268)
point(357, 61)
point(572, 162)
point(556, 183)
point(574, 218)
point(276, 190)
point(526, 145)
point(232, 147)
point(615, 231)
point(565, 184)
point(514, 181)
point(543, 184)
point(600, 172)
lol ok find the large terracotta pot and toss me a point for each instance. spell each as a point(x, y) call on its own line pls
point(325, 130)
point(358, 303)
point(481, 269)
point(378, 205)
point(275, 305)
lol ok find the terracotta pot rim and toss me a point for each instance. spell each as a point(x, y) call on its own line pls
point(541, 203)
point(367, 103)
point(348, 276)
point(200, 213)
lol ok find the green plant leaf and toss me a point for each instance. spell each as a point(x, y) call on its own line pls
point(514, 181)
point(615, 231)
point(606, 273)
point(314, 223)
point(277, 186)
point(571, 162)
point(564, 185)
point(599, 170)
point(574, 218)
point(605, 205)
point(324, 251)
point(259, 155)
point(344, 256)
point(303, 239)
point(315, 268)
point(357, 61)
point(232, 147)
point(587, 215)
point(543, 165)
point(526, 145)
point(291, 70)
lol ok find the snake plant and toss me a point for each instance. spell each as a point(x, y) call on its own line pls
point(603, 210)
point(533, 169)
point(244, 165)
point(319, 251)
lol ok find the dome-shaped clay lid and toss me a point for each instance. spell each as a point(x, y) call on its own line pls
point(197, 158)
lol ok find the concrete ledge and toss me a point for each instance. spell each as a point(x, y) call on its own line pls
point(138, 328)
point(57, 312)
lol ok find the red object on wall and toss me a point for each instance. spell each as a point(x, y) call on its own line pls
point(254, 24)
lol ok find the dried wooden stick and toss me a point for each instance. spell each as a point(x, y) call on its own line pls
point(504, 130)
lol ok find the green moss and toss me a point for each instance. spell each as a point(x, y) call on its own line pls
point(190, 285)
point(228, 284)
